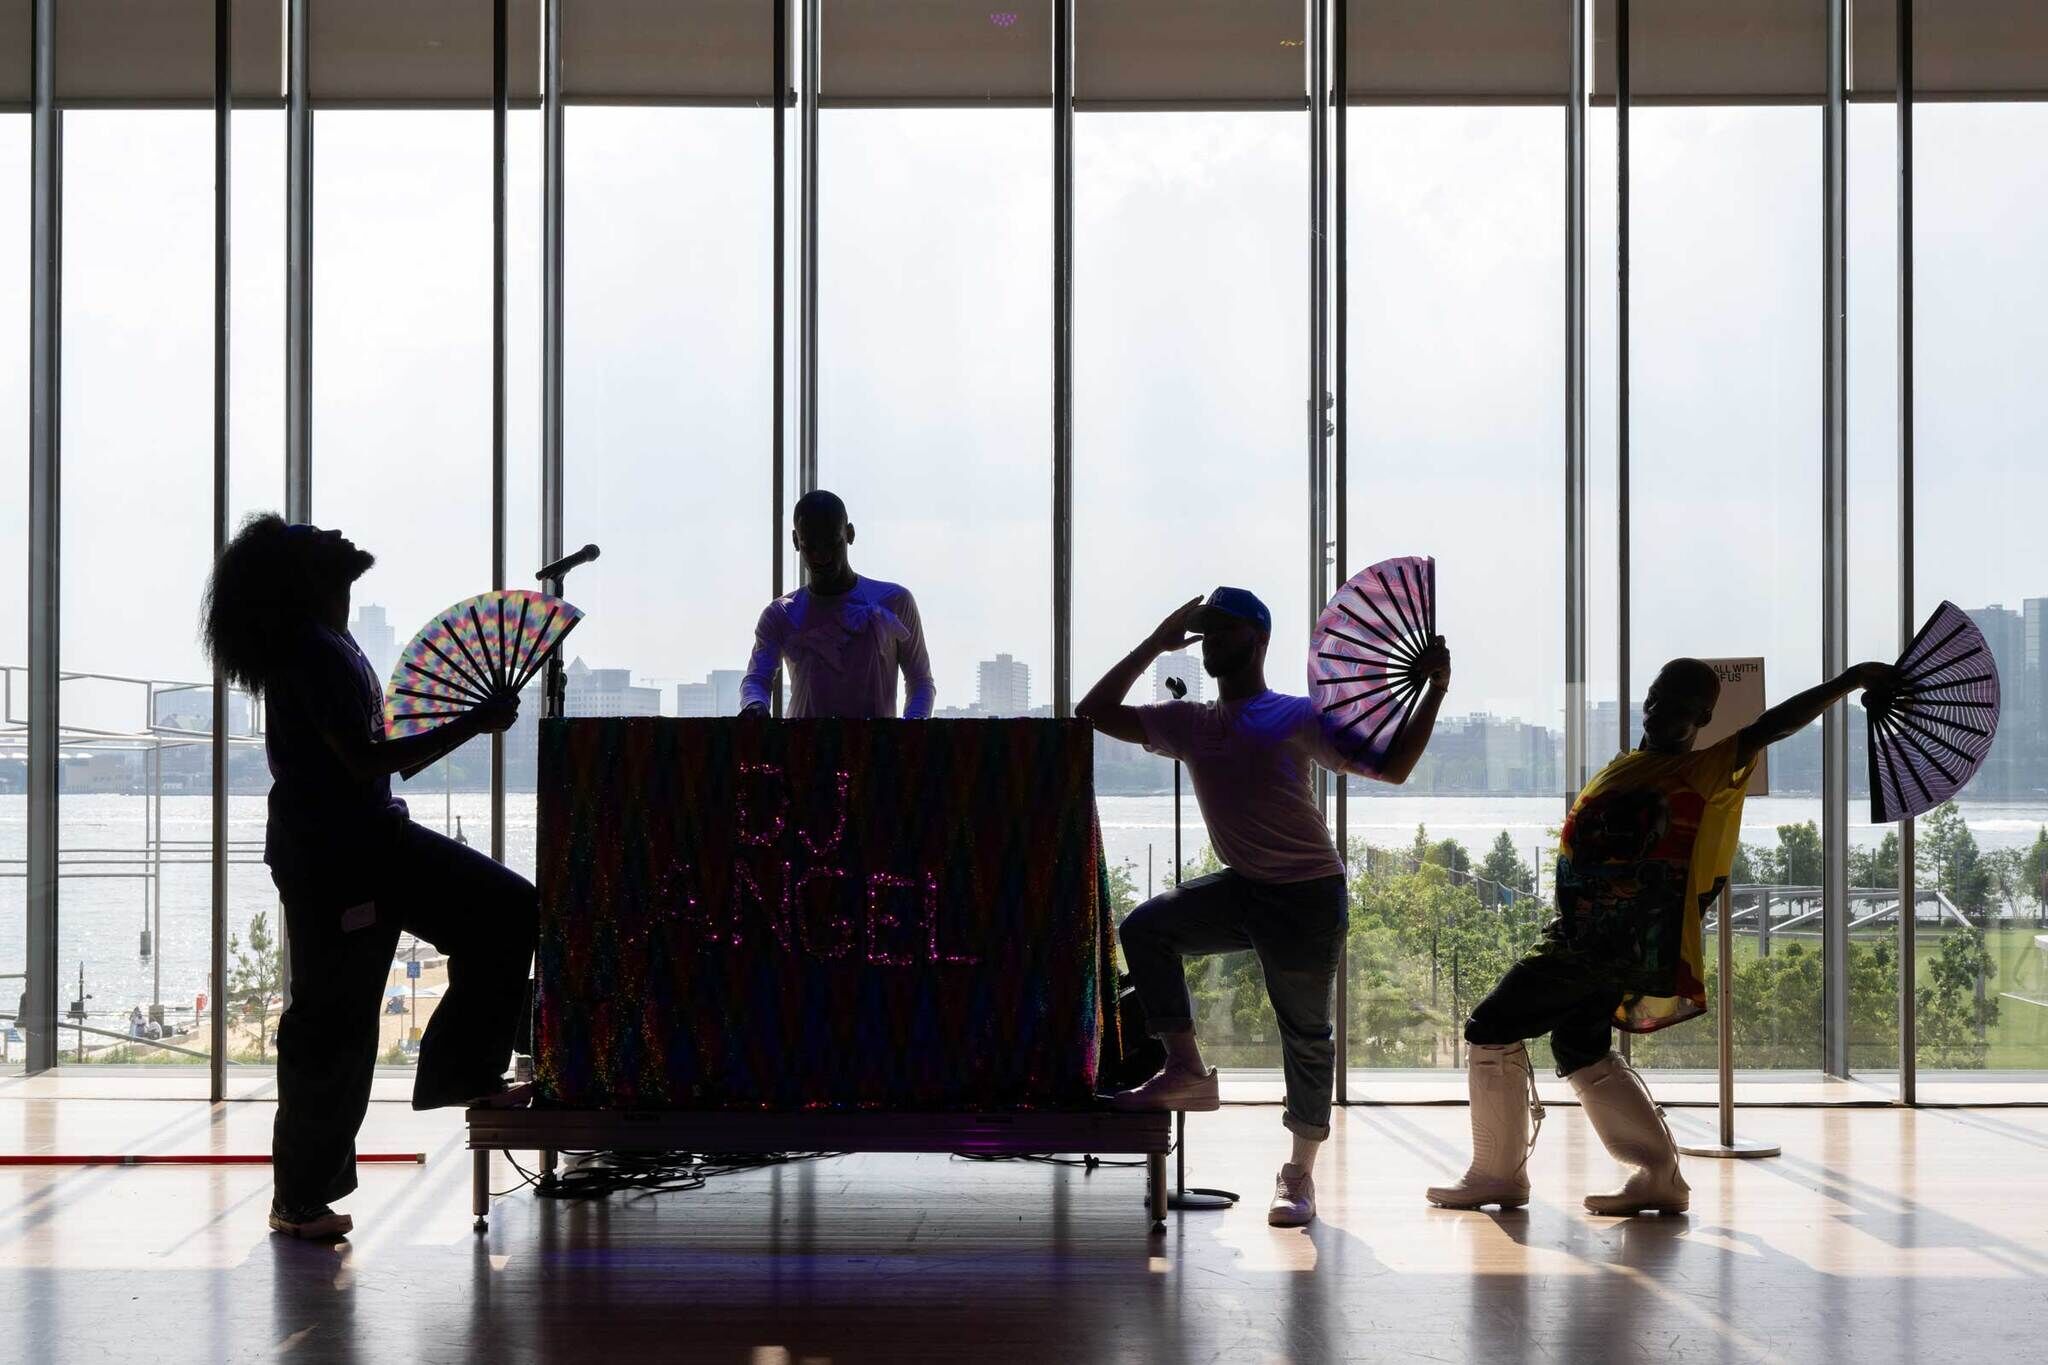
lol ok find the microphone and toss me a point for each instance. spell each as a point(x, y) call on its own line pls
point(561, 567)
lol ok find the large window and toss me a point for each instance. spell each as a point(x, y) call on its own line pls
point(137, 420)
point(934, 297)
point(402, 412)
point(1190, 458)
point(1456, 254)
point(1873, 524)
point(14, 248)
point(1981, 209)
point(522, 453)
point(256, 478)
point(935, 380)
point(669, 423)
point(1726, 441)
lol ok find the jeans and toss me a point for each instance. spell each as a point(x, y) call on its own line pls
point(1296, 928)
point(1556, 991)
point(478, 912)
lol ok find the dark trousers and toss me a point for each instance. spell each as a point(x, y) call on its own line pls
point(477, 912)
point(1296, 928)
point(1553, 991)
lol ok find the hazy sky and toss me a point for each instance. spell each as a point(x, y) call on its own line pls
point(935, 378)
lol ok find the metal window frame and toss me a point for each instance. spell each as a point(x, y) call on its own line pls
point(1909, 1059)
point(1575, 504)
point(500, 110)
point(1336, 65)
point(217, 950)
point(1317, 447)
point(1063, 360)
point(807, 248)
point(551, 469)
point(1835, 547)
point(45, 467)
point(298, 270)
point(778, 425)
point(1624, 723)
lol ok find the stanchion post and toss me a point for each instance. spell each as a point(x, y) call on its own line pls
point(1724, 1012)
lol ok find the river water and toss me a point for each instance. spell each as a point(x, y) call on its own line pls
point(106, 903)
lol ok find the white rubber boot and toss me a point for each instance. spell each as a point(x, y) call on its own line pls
point(1503, 1091)
point(1631, 1126)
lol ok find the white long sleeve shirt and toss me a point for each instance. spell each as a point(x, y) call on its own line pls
point(843, 653)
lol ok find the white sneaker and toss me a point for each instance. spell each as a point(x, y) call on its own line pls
point(1294, 1198)
point(1172, 1088)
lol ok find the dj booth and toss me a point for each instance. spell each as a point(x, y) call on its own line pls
point(761, 936)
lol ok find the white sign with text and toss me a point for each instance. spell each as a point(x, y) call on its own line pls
point(1742, 701)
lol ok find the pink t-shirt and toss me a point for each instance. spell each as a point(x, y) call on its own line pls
point(1252, 763)
point(843, 653)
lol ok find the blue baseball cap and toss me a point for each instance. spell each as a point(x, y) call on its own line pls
point(1238, 604)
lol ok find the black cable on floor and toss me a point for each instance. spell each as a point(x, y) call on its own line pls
point(1086, 1162)
point(598, 1175)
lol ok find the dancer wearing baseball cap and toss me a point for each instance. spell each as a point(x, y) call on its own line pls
point(1251, 755)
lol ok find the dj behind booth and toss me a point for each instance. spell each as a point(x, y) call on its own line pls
point(766, 936)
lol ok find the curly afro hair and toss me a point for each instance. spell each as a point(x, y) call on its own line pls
point(262, 593)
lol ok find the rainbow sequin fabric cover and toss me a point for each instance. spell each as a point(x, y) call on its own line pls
point(738, 913)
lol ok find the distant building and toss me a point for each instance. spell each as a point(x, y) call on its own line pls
point(1184, 665)
point(725, 690)
point(2006, 634)
point(695, 700)
point(373, 635)
point(717, 695)
point(1603, 737)
point(191, 708)
point(607, 692)
point(1005, 687)
point(1490, 754)
point(2033, 679)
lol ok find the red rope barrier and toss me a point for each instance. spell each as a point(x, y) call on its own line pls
point(195, 1159)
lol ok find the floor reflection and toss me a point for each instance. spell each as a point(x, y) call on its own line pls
point(1880, 1236)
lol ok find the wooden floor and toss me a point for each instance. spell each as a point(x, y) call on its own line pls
point(1879, 1236)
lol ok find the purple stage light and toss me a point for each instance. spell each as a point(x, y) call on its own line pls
point(1003, 18)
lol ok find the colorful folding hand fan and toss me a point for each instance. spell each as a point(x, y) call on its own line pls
point(1362, 664)
point(1929, 738)
point(487, 646)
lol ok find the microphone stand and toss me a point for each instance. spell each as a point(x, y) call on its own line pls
point(1184, 1196)
point(553, 701)
point(554, 685)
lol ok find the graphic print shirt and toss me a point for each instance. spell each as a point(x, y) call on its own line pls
point(1644, 851)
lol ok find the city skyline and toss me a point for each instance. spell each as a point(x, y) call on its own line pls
point(931, 412)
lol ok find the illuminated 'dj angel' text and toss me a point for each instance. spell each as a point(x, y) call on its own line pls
point(894, 919)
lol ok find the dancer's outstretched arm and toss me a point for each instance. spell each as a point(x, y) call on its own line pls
point(1795, 713)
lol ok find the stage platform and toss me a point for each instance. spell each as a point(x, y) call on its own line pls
point(550, 1131)
point(1881, 1236)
